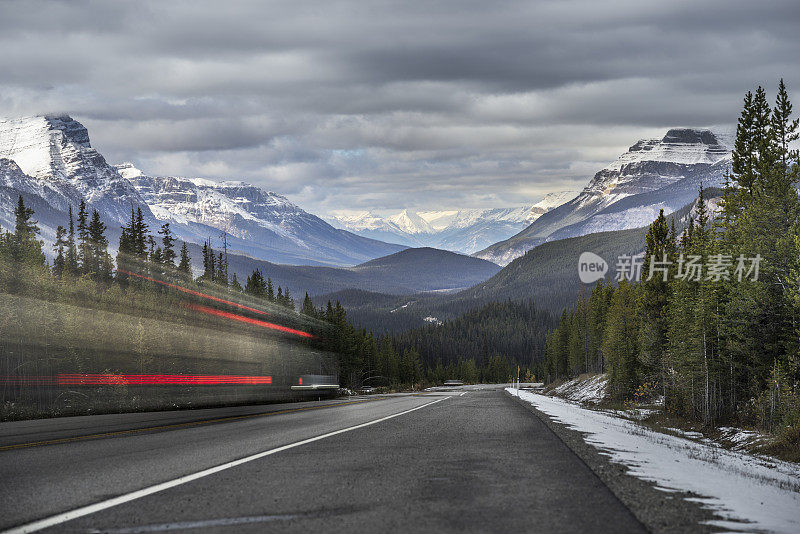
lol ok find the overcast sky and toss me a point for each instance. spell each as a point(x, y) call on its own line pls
point(382, 105)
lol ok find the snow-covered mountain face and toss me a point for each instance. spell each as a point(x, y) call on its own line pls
point(653, 174)
point(258, 222)
point(50, 162)
point(465, 231)
point(56, 150)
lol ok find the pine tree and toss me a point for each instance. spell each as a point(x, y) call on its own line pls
point(620, 345)
point(255, 284)
point(71, 259)
point(784, 129)
point(209, 263)
point(235, 285)
point(140, 236)
point(655, 294)
point(221, 276)
point(59, 246)
point(185, 264)
point(270, 290)
point(84, 248)
point(308, 307)
point(168, 246)
point(288, 301)
point(99, 261)
point(25, 247)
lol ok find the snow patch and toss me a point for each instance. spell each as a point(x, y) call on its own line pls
point(747, 492)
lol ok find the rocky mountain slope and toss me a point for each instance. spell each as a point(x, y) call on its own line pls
point(653, 174)
point(259, 223)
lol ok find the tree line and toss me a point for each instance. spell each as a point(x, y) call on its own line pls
point(716, 345)
point(83, 272)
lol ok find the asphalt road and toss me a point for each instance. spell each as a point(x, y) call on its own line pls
point(403, 463)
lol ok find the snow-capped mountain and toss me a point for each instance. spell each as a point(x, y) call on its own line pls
point(55, 151)
point(50, 161)
point(653, 174)
point(261, 223)
point(463, 231)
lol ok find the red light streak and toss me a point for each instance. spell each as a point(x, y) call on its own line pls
point(248, 320)
point(193, 292)
point(108, 379)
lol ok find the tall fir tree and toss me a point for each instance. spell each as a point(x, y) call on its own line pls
point(71, 258)
point(185, 263)
point(167, 246)
point(25, 247)
point(60, 247)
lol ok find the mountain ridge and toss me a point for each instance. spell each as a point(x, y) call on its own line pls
point(57, 166)
point(458, 230)
point(663, 173)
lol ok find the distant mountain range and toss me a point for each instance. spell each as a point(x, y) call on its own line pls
point(653, 174)
point(50, 160)
point(465, 231)
point(259, 223)
point(51, 163)
point(408, 272)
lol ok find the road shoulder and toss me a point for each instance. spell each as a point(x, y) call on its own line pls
point(659, 511)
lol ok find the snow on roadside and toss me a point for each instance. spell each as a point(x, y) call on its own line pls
point(748, 492)
point(591, 390)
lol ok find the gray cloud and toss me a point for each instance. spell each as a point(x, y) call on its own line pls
point(386, 105)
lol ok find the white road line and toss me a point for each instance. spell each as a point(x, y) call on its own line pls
point(115, 501)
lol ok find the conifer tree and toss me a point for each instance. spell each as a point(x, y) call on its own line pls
point(270, 290)
point(288, 301)
point(255, 284)
point(99, 261)
point(209, 263)
point(235, 285)
point(221, 275)
point(655, 293)
point(620, 346)
point(25, 247)
point(71, 258)
point(168, 245)
point(308, 307)
point(185, 264)
point(84, 248)
point(59, 246)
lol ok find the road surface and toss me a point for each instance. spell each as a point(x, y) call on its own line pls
point(443, 461)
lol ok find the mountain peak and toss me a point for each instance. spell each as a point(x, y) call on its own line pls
point(692, 136)
point(128, 170)
point(410, 222)
point(56, 148)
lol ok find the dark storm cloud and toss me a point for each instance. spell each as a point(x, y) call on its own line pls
point(446, 103)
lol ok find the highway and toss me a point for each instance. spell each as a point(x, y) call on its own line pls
point(472, 461)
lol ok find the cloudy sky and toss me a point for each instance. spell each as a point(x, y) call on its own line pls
point(383, 105)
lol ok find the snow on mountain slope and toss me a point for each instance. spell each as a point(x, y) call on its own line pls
point(550, 201)
point(653, 174)
point(56, 148)
point(463, 231)
point(261, 223)
point(410, 222)
point(50, 161)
